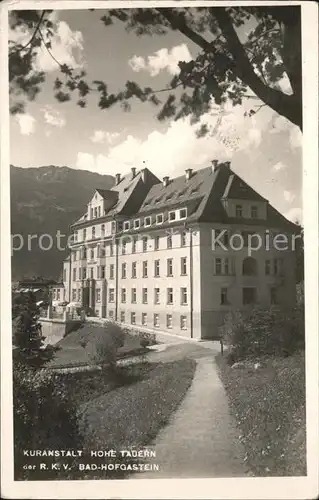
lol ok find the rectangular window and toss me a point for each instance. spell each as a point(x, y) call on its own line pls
point(64, 275)
point(111, 271)
point(156, 242)
point(84, 234)
point(123, 295)
point(183, 239)
point(111, 314)
point(133, 295)
point(133, 269)
point(254, 212)
point(218, 266)
point(123, 247)
point(133, 318)
point(113, 227)
point(183, 323)
point(183, 266)
point(145, 269)
point(159, 219)
point(74, 294)
point(58, 294)
point(102, 251)
point(93, 232)
point(223, 296)
point(169, 321)
point(79, 295)
point(239, 211)
point(144, 319)
point(183, 296)
point(169, 267)
point(137, 224)
point(144, 244)
point(92, 272)
point(134, 245)
point(80, 273)
point(122, 316)
point(183, 213)
point(120, 226)
point(170, 296)
point(156, 295)
point(84, 273)
point(126, 225)
point(156, 268)
point(156, 320)
point(171, 216)
point(249, 296)
point(169, 241)
point(111, 250)
point(74, 273)
point(84, 253)
point(226, 266)
point(75, 236)
point(273, 296)
point(103, 230)
point(278, 267)
point(98, 295)
point(111, 294)
point(147, 221)
point(267, 267)
point(124, 270)
point(144, 295)
point(92, 253)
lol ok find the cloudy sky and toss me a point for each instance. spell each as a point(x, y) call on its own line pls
point(265, 149)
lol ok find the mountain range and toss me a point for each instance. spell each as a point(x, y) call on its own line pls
point(45, 200)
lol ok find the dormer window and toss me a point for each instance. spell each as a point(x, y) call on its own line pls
point(91, 216)
point(171, 216)
point(99, 211)
point(159, 219)
point(120, 226)
point(239, 211)
point(183, 213)
point(147, 221)
point(254, 212)
point(95, 212)
point(126, 225)
point(137, 224)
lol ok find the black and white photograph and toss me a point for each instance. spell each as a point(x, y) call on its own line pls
point(159, 216)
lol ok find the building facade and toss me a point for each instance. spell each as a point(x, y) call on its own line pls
point(175, 255)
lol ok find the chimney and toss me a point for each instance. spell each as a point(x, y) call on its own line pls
point(188, 173)
point(227, 164)
point(214, 165)
point(165, 180)
point(133, 169)
point(143, 174)
point(117, 179)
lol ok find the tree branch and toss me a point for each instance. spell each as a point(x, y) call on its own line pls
point(178, 22)
point(37, 28)
point(280, 102)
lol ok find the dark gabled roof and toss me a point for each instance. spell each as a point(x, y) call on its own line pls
point(180, 191)
point(236, 188)
point(107, 193)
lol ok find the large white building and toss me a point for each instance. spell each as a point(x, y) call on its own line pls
point(147, 252)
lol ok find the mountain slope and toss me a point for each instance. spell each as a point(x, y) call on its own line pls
point(45, 200)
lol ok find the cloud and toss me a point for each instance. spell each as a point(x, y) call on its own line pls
point(66, 46)
point(289, 196)
point(137, 63)
point(279, 166)
point(53, 117)
point(294, 214)
point(163, 59)
point(177, 147)
point(101, 136)
point(26, 123)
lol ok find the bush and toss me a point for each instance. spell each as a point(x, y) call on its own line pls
point(264, 332)
point(147, 339)
point(105, 347)
point(44, 418)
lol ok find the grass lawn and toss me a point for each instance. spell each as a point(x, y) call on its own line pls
point(269, 406)
point(123, 410)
